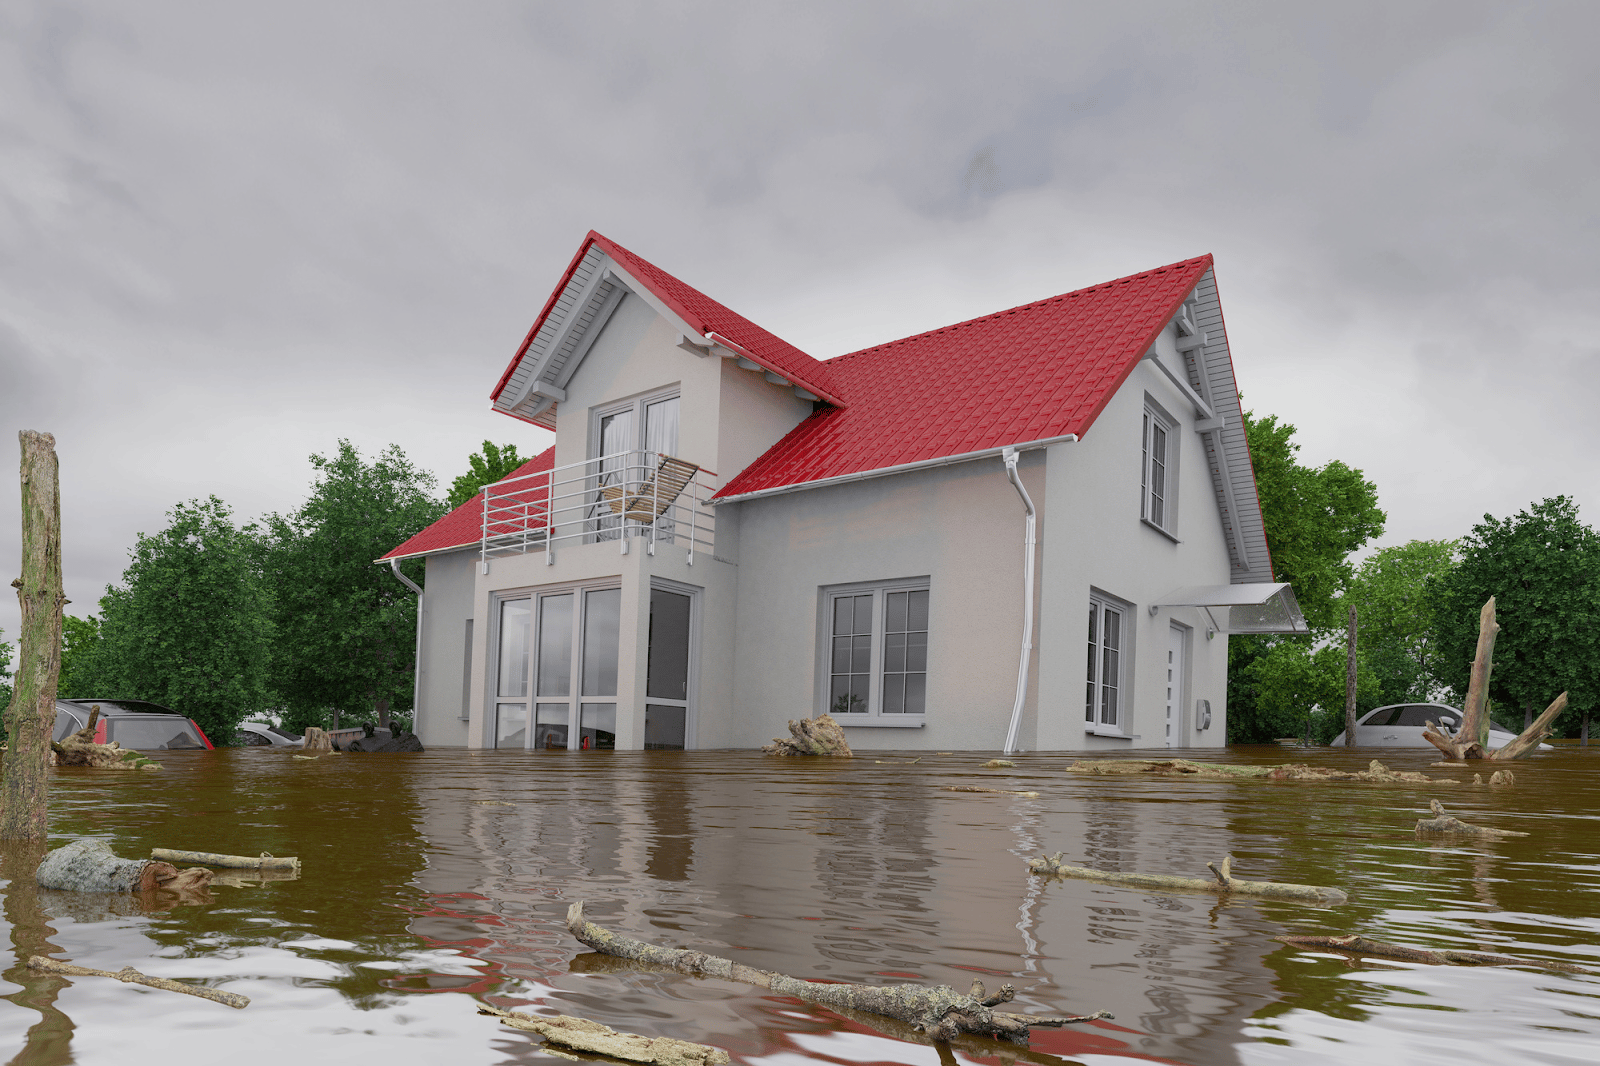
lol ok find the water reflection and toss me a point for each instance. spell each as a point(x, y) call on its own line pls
point(435, 881)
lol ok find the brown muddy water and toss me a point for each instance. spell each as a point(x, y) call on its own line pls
point(439, 881)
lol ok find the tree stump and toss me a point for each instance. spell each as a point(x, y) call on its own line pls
point(812, 736)
point(91, 866)
point(318, 740)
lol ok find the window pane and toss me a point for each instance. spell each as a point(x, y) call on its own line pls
point(916, 651)
point(616, 435)
point(841, 655)
point(894, 652)
point(664, 728)
point(861, 656)
point(894, 693)
point(839, 696)
point(555, 645)
point(667, 670)
point(919, 611)
point(511, 725)
point(599, 728)
point(916, 693)
point(661, 426)
point(602, 624)
point(843, 615)
point(895, 614)
point(860, 691)
point(516, 616)
point(1094, 658)
point(550, 726)
point(863, 614)
point(1144, 469)
point(1158, 474)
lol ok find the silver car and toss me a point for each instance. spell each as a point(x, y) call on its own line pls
point(137, 724)
point(1399, 725)
point(263, 735)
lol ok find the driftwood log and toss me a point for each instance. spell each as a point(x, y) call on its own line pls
point(581, 1034)
point(997, 791)
point(1442, 824)
point(90, 866)
point(129, 975)
point(1471, 741)
point(939, 1011)
point(1375, 773)
point(31, 716)
point(235, 862)
point(1223, 883)
point(812, 736)
point(1356, 945)
point(79, 749)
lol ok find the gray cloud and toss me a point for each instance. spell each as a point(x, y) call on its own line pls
point(230, 236)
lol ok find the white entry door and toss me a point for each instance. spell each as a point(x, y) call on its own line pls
point(1177, 641)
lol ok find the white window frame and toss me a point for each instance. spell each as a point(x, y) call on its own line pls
point(602, 525)
point(1096, 717)
point(874, 715)
point(1158, 469)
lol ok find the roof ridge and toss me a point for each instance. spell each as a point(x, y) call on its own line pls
point(1023, 307)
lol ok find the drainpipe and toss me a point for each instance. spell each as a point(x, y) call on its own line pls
point(416, 670)
point(1010, 457)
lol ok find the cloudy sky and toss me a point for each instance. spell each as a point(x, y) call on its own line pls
point(232, 234)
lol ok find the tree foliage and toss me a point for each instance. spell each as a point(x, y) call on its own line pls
point(1297, 681)
point(190, 626)
point(1391, 591)
point(1543, 568)
point(5, 671)
point(80, 641)
point(1315, 518)
point(494, 463)
point(346, 628)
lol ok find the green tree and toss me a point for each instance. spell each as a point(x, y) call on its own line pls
point(492, 464)
point(80, 641)
point(1392, 594)
point(1543, 568)
point(1298, 684)
point(190, 626)
point(1315, 518)
point(346, 629)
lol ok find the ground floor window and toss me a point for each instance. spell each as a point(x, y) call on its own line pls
point(877, 650)
point(557, 651)
point(1103, 703)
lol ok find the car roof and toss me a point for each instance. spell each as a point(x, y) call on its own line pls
point(110, 707)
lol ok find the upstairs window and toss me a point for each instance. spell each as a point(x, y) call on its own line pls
point(1158, 477)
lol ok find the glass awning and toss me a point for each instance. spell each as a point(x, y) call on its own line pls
point(1258, 607)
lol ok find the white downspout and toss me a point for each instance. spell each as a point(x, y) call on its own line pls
point(1010, 457)
point(416, 669)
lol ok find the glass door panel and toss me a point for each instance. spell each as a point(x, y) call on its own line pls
point(511, 725)
point(550, 726)
point(665, 727)
point(516, 618)
point(668, 670)
point(602, 631)
point(599, 727)
point(555, 645)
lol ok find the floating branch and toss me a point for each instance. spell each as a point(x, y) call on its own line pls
point(1442, 824)
point(939, 1011)
point(1224, 883)
point(1358, 945)
point(129, 975)
point(999, 791)
point(580, 1034)
point(1375, 773)
point(236, 862)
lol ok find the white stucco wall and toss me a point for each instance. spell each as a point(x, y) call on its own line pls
point(447, 603)
point(1098, 541)
point(961, 526)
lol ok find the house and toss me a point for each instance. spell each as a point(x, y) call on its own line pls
point(1032, 530)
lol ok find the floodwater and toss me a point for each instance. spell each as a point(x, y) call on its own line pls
point(435, 882)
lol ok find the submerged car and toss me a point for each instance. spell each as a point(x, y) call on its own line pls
point(137, 724)
point(263, 735)
point(1399, 725)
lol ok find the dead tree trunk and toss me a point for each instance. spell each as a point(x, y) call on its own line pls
point(24, 792)
point(1357, 946)
point(1531, 736)
point(1350, 683)
point(940, 1011)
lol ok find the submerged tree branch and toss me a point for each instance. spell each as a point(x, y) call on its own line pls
point(1357, 945)
point(939, 1011)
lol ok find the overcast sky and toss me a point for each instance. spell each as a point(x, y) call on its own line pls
point(232, 234)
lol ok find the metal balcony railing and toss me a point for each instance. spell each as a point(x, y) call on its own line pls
point(657, 497)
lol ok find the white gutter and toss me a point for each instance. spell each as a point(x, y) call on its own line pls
point(883, 471)
point(416, 668)
point(1010, 457)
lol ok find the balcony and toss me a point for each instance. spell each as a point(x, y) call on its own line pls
point(630, 495)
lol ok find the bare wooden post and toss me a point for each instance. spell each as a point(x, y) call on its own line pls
point(1585, 742)
point(24, 792)
point(1350, 682)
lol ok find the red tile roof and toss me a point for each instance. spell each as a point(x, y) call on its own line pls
point(1038, 371)
point(464, 525)
point(699, 312)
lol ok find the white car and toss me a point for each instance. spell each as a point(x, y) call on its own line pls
point(1399, 725)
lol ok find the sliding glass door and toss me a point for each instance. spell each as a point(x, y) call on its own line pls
point(562, 647)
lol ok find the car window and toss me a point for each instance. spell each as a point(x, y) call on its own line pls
point(279, 732)
point(1420, 714)
point(1382, 716)
point(65, 723)
point(252, 740)
point(150, 733)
